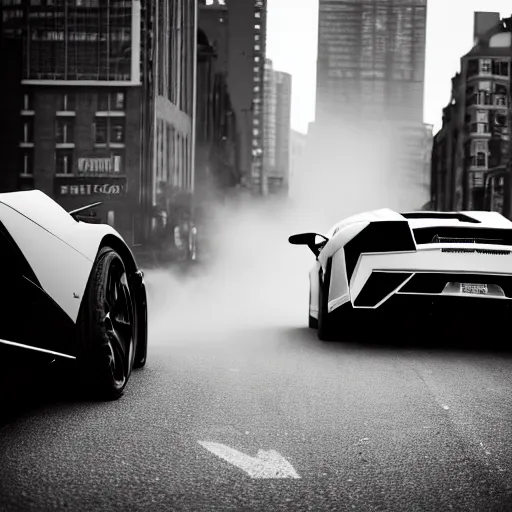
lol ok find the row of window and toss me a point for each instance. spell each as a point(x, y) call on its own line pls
point(497, 118)
point(488, 67)
point(500, 126)
point(107, 130)
point(106, 101)
point(258, 77)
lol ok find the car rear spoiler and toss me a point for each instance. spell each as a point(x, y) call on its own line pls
point(75, 213)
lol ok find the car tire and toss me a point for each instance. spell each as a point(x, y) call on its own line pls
point(106, 329)
point(326, 331)
point(141, 329)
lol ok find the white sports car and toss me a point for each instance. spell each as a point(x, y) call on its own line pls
point(437, 261)
point(71, 290)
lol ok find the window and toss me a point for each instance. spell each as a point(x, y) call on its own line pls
point(65, 132)
point(482, 116)
point(108, 130)
point(117, 130)
point(118, 103)
point(28, 130)
point(500, 119)
point(481, 159)
point(116, 163)
point(27, 102)
point(63, 161)
point(101, 130)
point(67, 103)
point(27, 161)
point(108, 101)
point(480, 128)
point(485, 66)
point(500, 68)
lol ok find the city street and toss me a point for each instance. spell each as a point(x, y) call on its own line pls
point(213, 421)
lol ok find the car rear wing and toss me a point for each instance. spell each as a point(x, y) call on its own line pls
point(462, 235)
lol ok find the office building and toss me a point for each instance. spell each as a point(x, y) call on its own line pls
point(277, 102)
point(471, 153)
point(241, 48)
point(371, 60)
point(100, 104)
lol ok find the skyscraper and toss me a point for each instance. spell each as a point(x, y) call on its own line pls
point(236, 30)
point(241, 51)
point(276, 128)
point(371, 59)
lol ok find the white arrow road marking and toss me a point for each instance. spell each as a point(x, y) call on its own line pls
point(267, 464)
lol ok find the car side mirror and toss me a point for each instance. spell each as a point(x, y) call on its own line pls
point(314, 241)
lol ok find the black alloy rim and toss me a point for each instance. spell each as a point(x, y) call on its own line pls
point(118, 322)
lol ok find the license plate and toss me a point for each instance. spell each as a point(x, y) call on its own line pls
point(476, 289)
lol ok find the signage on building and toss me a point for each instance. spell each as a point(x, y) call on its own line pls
point(106, 165)
point(79, 188)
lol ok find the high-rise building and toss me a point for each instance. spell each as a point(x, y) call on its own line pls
point(98, 97)
point(217, 169)
point(277, 103)
point(471, 155)
point(241, 48)
point(297, 150)
point(371, 59)
point(370, 80)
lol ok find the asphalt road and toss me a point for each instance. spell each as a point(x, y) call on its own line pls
point(363, 426)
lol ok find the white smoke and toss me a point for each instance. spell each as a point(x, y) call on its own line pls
point(257, 279)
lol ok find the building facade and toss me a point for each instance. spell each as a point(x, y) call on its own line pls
point(371, 59)
point(370, 77)
point(298, 142)
point(277, 103)
point(236, 29)
point(217, 158)
point(426, 156)
point(173, 105)
point(471, 153)
point(94, 97)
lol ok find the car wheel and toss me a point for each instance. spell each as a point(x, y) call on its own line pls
point(141, 329)
point(325, 324)
point(106, 324)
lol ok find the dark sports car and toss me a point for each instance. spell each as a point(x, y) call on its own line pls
point(71, 290)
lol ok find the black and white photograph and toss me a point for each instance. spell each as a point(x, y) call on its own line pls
point(256, 255)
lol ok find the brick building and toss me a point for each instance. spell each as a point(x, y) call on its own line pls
point(471, 152)
point(93, 114)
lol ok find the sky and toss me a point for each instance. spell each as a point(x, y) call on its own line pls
point(292, 31)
